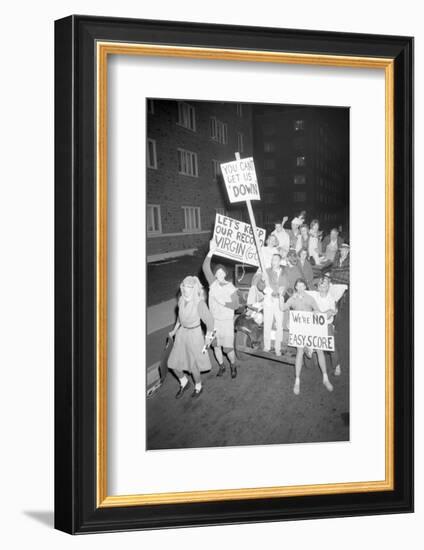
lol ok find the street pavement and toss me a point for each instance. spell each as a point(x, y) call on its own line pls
point(257, 408)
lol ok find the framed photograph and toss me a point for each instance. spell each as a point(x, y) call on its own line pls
point(234, 274)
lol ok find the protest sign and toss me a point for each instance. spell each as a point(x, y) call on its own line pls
point(235, 241)
point(240, 180)
point(309, 329)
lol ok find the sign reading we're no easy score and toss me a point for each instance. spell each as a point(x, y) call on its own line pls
point(310, 329)
point(240, 180)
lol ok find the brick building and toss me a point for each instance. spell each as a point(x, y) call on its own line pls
point(186, 142)
point(302, 161)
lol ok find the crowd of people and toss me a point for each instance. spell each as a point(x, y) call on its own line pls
point(303, 270)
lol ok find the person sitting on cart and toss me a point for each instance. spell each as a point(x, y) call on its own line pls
point(282, 236)
point(303, 301)
point(188, 354)
point(340, 267)
point(273, 285)
point(292, 270)
point(331, 245)
point(294, 232)
point(303, 239)
point(270, 249)
point(223, 301)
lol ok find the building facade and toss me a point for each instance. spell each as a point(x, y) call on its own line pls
point(186, 143)
point(302, 161)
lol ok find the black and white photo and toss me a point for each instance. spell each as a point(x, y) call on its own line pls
point(248, 258)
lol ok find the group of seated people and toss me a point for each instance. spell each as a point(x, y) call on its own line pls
point(289, 283)
point(305, 246)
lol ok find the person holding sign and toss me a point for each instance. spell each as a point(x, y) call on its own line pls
point(223, 301)
point(187, 354)
point(275, 287)
point(302, 301)
point(326, 299)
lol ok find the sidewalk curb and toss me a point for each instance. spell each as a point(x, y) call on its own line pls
point(161, 315)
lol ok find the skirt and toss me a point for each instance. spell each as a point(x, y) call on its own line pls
point(187, 351)
point(224, 333)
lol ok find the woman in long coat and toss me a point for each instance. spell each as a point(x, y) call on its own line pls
point(188, 354)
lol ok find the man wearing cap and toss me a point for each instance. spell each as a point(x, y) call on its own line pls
point(340, 269)
point(331, 244)
point(223, 301)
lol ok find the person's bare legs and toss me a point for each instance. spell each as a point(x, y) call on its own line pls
point(298, 368)
point(323, 367)
point(220, 358)
point(232, 359)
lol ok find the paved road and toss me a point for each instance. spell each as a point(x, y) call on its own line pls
point(256, 408)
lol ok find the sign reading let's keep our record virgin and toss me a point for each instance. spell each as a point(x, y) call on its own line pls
point(235, 241)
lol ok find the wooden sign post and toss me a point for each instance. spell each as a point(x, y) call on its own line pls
point(242, 185)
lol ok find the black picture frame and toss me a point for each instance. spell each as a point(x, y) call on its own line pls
point(76, 509)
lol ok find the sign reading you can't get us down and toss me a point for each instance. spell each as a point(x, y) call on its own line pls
point(240, 180)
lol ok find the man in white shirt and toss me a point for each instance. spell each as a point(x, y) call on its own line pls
point(283, 237)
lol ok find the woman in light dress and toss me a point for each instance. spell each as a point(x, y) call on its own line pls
point(188, 354)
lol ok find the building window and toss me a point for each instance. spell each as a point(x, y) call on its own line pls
point(299, 125)
point(300, 160)
point(299, 196)
point(216, 168)
point(299, 179)
point(268, 130)
point(220, 211)
point(269, 181)
point(240, 144)
point(218, 130)
point(187, 163)
point(269, 147)
point(186, 116)
point(270, 197)
point(239, 108)
point(269, 164)
point(150, 106)
point(191, 218)
point(154, 224)
point(152, 161)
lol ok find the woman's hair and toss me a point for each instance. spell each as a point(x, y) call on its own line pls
point(222, 267)
point(313, 222)
point(304, 226)
point(300, 280)
point(192, 280)
point(323, 279)
point(292, 256)
point(272, 237)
